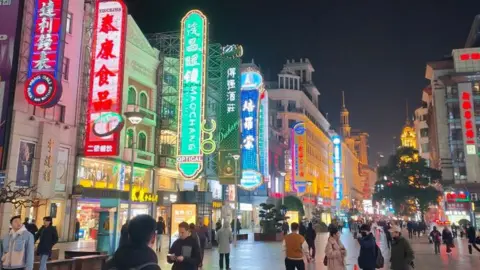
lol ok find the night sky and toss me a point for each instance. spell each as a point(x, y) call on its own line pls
point(375, 52)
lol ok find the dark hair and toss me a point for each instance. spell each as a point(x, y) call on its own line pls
point(294, 226)
point(183, 225)
point(333, 231)
point(365, 227)
point(47, 218)
point(15, 217)
point(192, 226)
point(141, 228)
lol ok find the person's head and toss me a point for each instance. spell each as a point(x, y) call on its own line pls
point(434, 228)
point(310, 225)
point(141, 230)
point(183, 230)
point(160, 219)
point(191, 227)
point(396, 231)
point(26, 220)
point(16, 223)
point(335, 233)
point(365, 229)
point(294, 226)
point(33, 221)
point(47, 221)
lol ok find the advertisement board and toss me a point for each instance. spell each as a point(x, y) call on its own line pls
point(181, 213)
point(293, 216)
point(299, 146)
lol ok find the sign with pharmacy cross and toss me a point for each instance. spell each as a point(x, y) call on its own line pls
point(193, 60)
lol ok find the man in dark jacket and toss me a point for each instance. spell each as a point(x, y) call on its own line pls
point(185, 251)
point(48, 238)
point(160, 232)
point(368, 254)
point(402, 253)
point(138, 252)
point(471, 236)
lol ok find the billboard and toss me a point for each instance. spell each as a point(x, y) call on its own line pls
point(43, 87)
point(263, 137)
point(106, 79)
point(298, 147)
point(9, 47)
point(191, 102)
point(181, 213)
point(468, 120)
point(337, 167)
point(251, 88)
point(229, 135)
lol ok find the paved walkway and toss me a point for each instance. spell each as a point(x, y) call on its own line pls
point(250, 255)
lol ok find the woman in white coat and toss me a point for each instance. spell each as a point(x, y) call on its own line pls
point(224, 238)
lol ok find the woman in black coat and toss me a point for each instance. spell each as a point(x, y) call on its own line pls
point(310, 236)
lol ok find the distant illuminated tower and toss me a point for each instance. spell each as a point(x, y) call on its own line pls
point(344, 121)
point(408, 137)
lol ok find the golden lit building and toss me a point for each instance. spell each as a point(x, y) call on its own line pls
point(408, 137)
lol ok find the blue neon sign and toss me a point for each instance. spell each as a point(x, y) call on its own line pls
point(337, 167)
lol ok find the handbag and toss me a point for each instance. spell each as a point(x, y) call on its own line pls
point(380, 261)
point(325, 260)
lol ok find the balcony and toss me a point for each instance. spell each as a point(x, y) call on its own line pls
point(150, 117)
point(141, 157)
point(166, 162)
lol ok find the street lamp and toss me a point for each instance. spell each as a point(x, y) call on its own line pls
point(135, 118)
point(235, 157)
point(283, 188)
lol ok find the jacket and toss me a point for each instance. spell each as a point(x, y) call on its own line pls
point(160, 227)
point(18, 249)
point(436, 236)
point(189, 249)
point(123, 235)
point(131, 256)
point(48, 238)
point(333, 252)
point(295, 247)
point(447, 237)
point(368, 256)
point(224, 237)
point(401, 255)
point(471, 234)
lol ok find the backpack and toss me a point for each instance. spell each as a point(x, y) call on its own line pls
point(140, 267)
point(380, 261)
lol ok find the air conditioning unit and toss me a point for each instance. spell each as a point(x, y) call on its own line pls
point(473, 197)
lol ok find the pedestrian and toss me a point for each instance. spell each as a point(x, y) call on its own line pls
point(202, 233)
point(388, 235)
point(368, 256)
point(335, 251)
point(48, 237)
point(410, 229)
point(77, 229)
point(285, 228)
point(224, 238)
point(123, 235)
point(454, 230)
point(32, 227)
point(302, 230)
point(447, 239)
point(436, 238)
point(160, 230)
point(18, 247)
point(295, 248)
point(402, 255)
point(310, 238)
point(471, 236)
point(340, 225)
point(355, 229)
point(184, 253)
point(137, 253)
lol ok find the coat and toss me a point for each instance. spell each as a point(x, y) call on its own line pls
point(401, 254)
point(224, 237)
point(335, 258)
point(48, 237)
point(18, 248)
point(368, 255)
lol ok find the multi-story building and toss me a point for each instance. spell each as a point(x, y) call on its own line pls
point(40, 132)
point(421, 126)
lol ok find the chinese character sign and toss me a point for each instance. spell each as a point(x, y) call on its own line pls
point(193, 60)
point(337, 167)
point(298, 148)
point(263, 136)
point(468, 119)
point(46, 53)
point(251, 88)
point(106, 79)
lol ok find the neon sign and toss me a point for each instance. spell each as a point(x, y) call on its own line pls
point(457, 197)
point(46, 55)
point(263, 136)
point(193, 61)
point(298, 145)
point(337, 170)
point(208, 145)
point(468, 122)
point(106, 79)
point(470, 56)
point(251, 86)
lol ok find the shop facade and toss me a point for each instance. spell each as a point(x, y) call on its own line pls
point(164, 205)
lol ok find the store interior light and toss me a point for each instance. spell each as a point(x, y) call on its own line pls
point(134, 117)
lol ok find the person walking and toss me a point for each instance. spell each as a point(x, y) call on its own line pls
point(410, 229)
point(335, 251)
point(48, 237)
point(355, 229)
point(32, 227)
point(224, 238)
point(285, 228)
point(472, 237)
point(302, 230)
point(436, 238)
point(447, 238)
point(310, 236)
point(368, 255)
point(18, 247)
point(184, 253)
point(138, 252)
point(295, 248)
point(160, 230)
point(402, 255)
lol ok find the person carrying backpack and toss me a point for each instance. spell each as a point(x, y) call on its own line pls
point(138, 253)
point(367, 260)
point(436, 237)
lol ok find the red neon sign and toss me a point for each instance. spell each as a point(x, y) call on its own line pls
point(468, 116)
point(106, 78)
point(470, 56)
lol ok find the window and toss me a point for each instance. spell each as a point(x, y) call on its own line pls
point(57, 113)
point(476, 107)
point(457, 134)
point(453, 110)
point(66, 68)
point(425, 147)
point(424, 132)
point(279, 123)
point(143, 100)
point(292, 106)
point(142, 141)
point(132, 95)
point(69, 22)
point(129, 134)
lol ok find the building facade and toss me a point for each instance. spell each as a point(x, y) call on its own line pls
point(421, 126)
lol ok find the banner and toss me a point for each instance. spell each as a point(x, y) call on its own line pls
point(26, 153)
point(61, 169)
point(299, 146)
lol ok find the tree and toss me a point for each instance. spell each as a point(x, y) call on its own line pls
point(19, 196)
point(271, 219)
point(406, 182)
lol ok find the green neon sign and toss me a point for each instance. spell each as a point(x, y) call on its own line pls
point(193, 60)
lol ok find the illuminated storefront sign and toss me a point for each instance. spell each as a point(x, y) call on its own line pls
point(181, 213)
point(337, 168)
point(470, 56)
point(250, 90)
point(468, 122)
point(106, 79)
point(43, 87)
point(457, 197)
point(298, 145)
point(263, 137)
point(193, 60)
point(139, 195)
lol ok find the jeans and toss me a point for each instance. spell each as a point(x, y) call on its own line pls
point(449, 249)
point(311, 248)
point(294, 264)
point(43, 262)
point(159, 242)
point(470, 244)
point(227, 260)
point(437, 247)
point(410, 234)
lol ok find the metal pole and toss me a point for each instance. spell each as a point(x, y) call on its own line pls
point(236, 206)
point(132, 165)
point(283, 191)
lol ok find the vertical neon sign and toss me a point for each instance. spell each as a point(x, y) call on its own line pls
point(337, 168)
point(298, 145)
point(263, 137)
point(468, 118)
point(193, 61)
point(251, 87)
